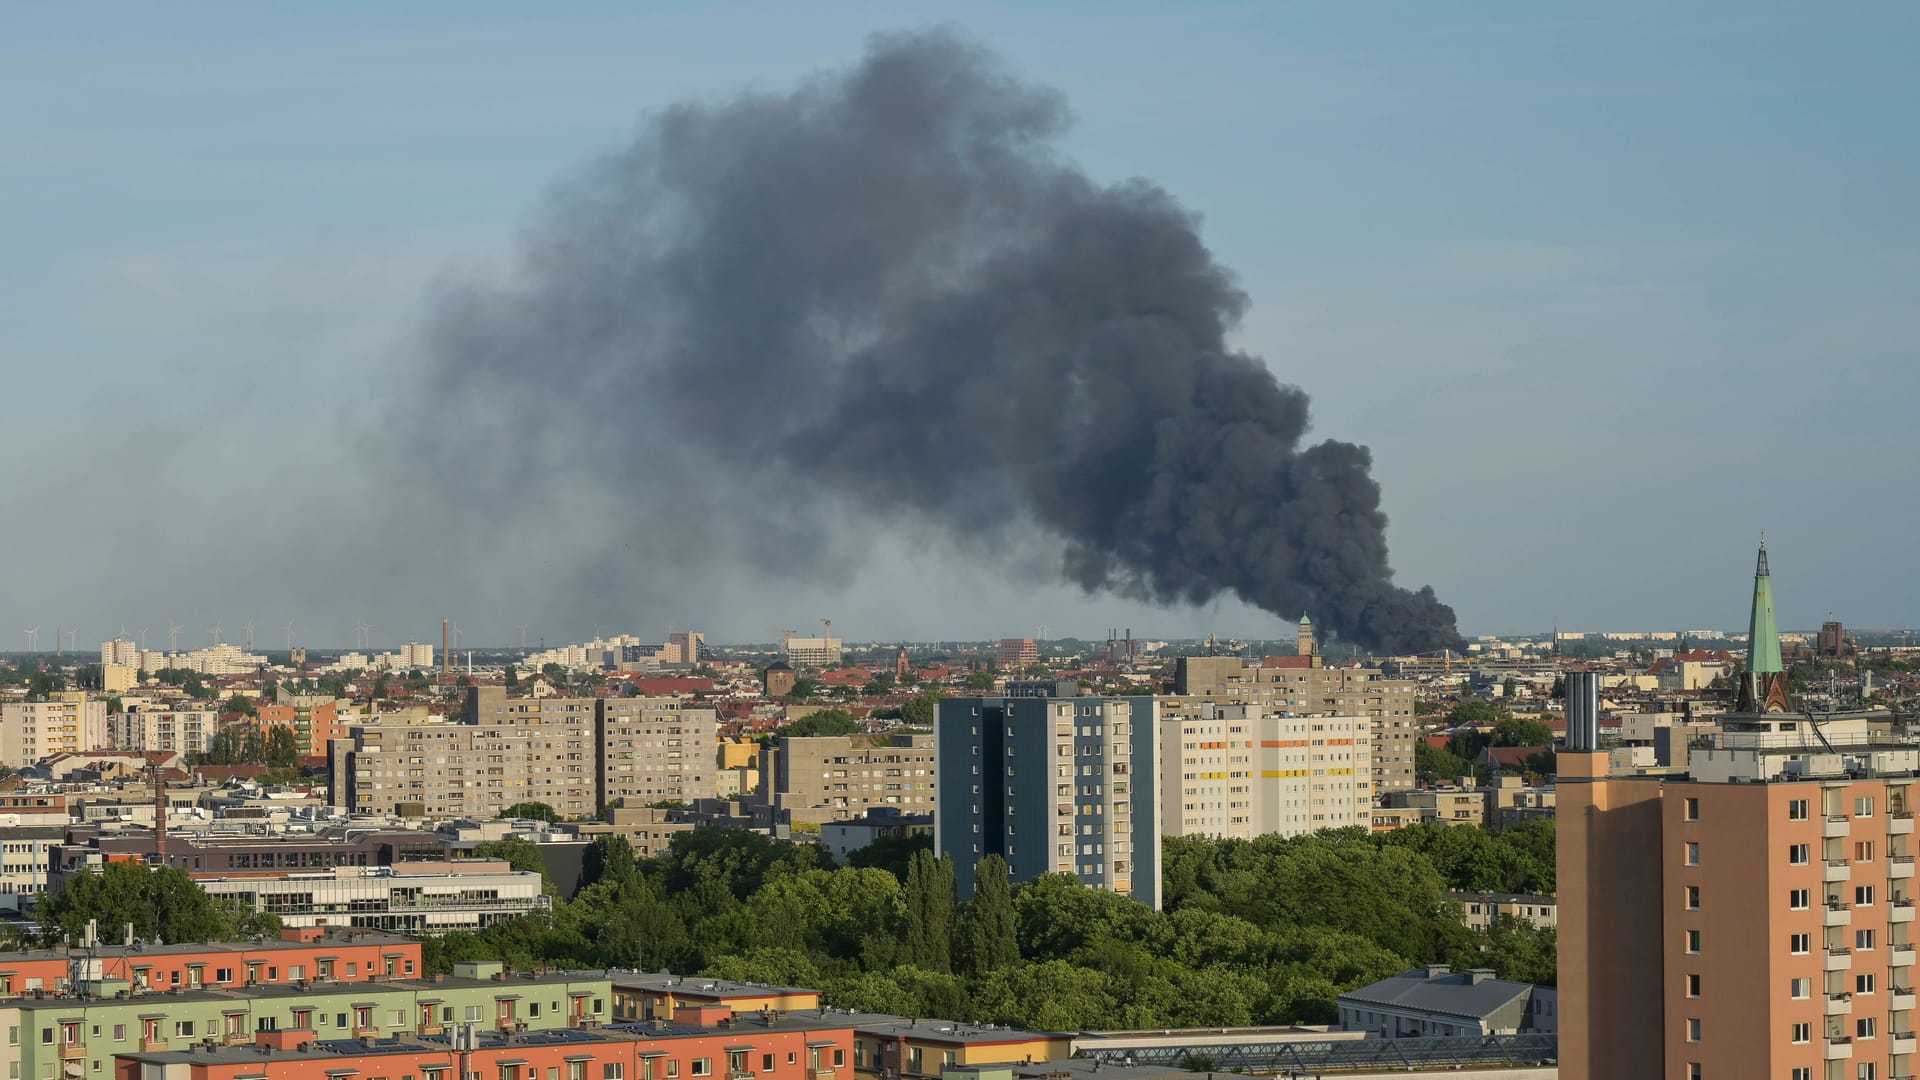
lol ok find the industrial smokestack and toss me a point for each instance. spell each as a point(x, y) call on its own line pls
point(888, 279)
point(446, 647)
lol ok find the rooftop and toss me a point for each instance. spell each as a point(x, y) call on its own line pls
point(165, 998)
point(1474, 995)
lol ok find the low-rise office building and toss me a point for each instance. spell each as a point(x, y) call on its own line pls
point(1436, 1002)
point(427, 898)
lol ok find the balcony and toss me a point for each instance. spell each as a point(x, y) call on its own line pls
point(1901, 999)
point(1837, 915)
point(73, 1051)
point(1901, 823)
point(1900, 866)
point(1834, 827)
point(1901, 911)
point(1900, 956)
point(152, 1045)
point(1903, 1042)
point(1838, 958)
point(1839, 1004)
point(1836, 870)
point(1839, 1046)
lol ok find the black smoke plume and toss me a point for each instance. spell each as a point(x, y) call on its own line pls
point(884, 298)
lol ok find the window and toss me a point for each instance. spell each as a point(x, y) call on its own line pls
point(1863, 895)
point(1863, 851)
point(1800, 944)
point(1693, 941)
point(1863, 984)
point(1693, 1029)
point(839, 1058)
point(1863, 939)
point(1863, 1027)
point(1802, 1072)
point(1803, 1033)
point(1693, 986)
point(1800, 989)
point(1796, 809)
point(1693, 898)
point(1797, 854)
point(613, 1070)
point(1690, 809)
point(1868, 1071)
point(766, 1062)
point(1693, 853)
point(1799, 899)
point(702, 1067)
point(1693, 1070)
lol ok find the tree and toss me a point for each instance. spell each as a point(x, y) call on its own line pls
point(242, 704)
point(1508, 687)
point(920, 709)
point(823, 722)
point(537, 811)
point(980, 681)
point(1514, 731)
point(160, 902)
point(988, 938)
point(930, 903)
point(894, 854)
point(520, 854)
point(513, 678)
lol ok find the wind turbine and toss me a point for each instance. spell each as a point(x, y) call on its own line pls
point(249, 628)
point(289, 637)
point(73, 639)
point(216, 633)
point(523, 638)
point(143, 639)
point(173, 636)
point(33, 640)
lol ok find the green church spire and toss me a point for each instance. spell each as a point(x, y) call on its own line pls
point(1763, 631)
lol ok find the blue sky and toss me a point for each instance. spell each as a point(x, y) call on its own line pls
point(1609, 289)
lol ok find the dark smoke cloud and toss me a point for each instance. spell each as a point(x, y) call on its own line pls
point(882, 301)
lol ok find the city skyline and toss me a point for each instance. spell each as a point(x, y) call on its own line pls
point(1676, 219)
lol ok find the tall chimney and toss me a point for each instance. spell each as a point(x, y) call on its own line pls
point(446, 645)
point(159, 816)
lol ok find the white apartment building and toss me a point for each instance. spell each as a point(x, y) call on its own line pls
point(23, 863)
point(188, 731)
point(69, 724)
point(120, 651)
point(1237, 771)
point(813, 652)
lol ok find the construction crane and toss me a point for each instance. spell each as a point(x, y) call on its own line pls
point(828, 623)
point(786, 634)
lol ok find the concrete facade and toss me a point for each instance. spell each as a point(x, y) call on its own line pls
point(1230, 771)
point(1052, 785)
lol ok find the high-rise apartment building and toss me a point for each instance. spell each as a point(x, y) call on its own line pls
point(1752, 917)
point(823, 778)
point(656, 750)
point(1236, 771)
point(186, 731)
point(1302, 683)
point(67, 724)
point(574, 754)
point(313, 718)
point(1052, 785)
point(123, 651)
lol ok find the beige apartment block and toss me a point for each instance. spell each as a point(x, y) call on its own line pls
point(657, 750)
point(832, 777)
point(67, 724)
point(186, 731)
point(1304, 683)
point(1232, 771)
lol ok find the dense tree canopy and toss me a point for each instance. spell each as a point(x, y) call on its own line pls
point(162, 903)
point(1261, 931)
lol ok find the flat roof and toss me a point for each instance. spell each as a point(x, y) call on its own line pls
point(695, 986)
point(159, 998)
point(951, 1031)
point(116, 952)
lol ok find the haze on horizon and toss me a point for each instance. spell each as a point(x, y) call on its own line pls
point(1607, 294)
